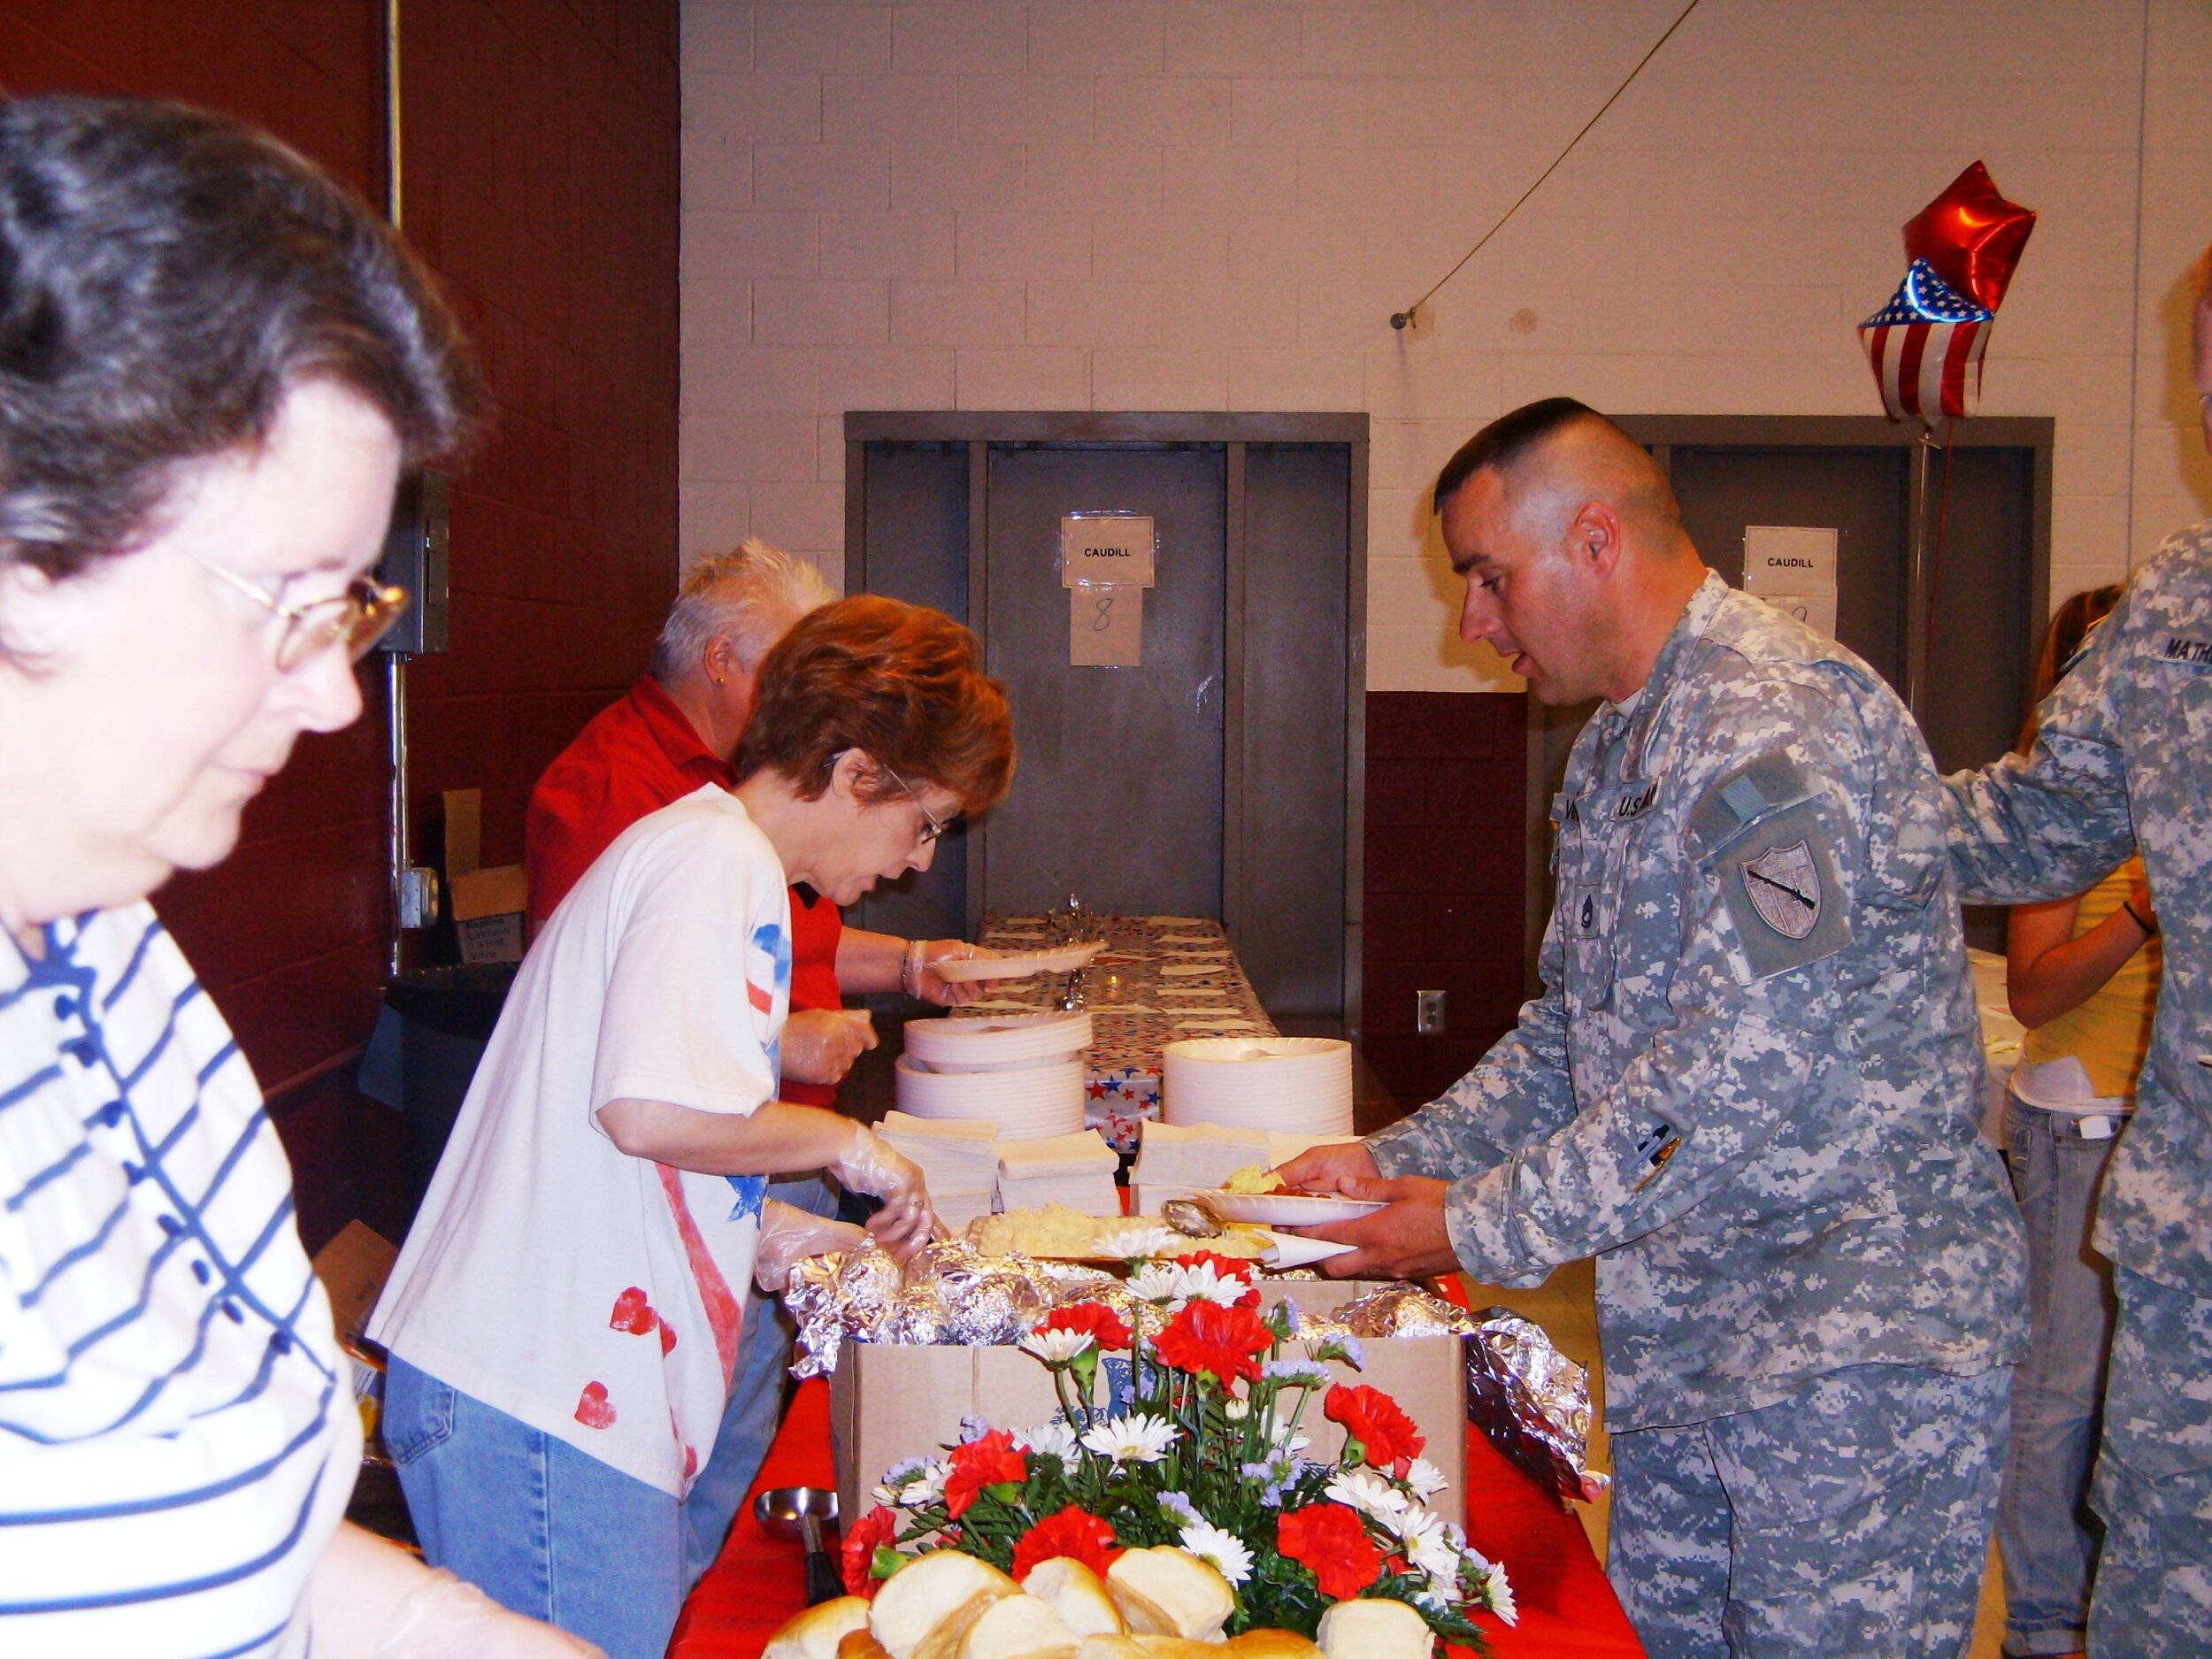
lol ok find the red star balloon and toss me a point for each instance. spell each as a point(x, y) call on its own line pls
point(1971, 235)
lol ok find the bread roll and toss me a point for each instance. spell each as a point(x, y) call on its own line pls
point(815, 1633)
point(1177, 1648)
point(930, 1591)
point(1165, 1591)
point(1375, 1630)
point(858, 1645)
point(1017, 1627)
point(1109, 1646)
point(1273, 1644)
point(946, 1635)
point(1075, 1594)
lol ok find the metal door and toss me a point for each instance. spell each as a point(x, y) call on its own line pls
point(1118, 795)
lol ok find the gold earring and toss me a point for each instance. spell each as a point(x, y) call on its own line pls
point(719, 680)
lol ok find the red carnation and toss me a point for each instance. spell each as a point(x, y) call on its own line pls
point(1224, 1266)
point(988, 1461)
point(866, 1535)
point(1373, 1418)
point(1223, 1340)
point(1072, 1532)
point(1329, 1539)
point(1094, 1319)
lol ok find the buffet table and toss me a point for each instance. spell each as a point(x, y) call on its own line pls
point(1160, 978)
point(1566, 1606)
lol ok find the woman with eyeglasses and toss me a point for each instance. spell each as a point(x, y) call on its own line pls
point(213, 363)
point(564, 1317)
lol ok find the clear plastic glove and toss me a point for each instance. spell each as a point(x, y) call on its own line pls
point(788, 1235)
point(935, 987)
point(873, 1165)
point(447, 1620)
point(820, 1044)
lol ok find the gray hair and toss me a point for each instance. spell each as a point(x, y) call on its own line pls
point(750, 596)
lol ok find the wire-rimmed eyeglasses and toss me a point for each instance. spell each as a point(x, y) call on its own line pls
point(931, 828)
point(357, 618)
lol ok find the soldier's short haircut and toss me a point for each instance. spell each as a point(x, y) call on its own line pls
point(1508, 439)
point(749, 596)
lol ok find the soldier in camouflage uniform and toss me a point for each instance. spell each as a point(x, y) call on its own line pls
point(1749, 1088)
point(2124, 763)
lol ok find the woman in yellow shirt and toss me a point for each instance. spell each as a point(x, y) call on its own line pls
point(2082, 973)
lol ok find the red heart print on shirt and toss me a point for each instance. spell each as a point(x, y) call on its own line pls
point(634, 1313)
point(595, 1410)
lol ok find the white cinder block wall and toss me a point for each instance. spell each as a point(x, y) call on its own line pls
point(1217, 204)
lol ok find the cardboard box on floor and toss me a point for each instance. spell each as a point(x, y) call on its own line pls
point(889, 1401)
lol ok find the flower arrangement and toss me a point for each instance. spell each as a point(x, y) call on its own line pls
point(1203, 1452)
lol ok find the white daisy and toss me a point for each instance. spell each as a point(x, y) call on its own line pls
point(1236, 1410)
point(915, 1489)
point(1158, 1283)
point(1136, 1240)
point(1427, 1547)
point(1201, 1283)
point(1055, 1348)
point(1497, 1594)
point(1370, 1495)
point(1223, 1548)
point(1426, 1480)
point(1051, 1440)
point(1131, 1440)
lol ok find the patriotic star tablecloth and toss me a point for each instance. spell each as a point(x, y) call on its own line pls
point(1159, 980)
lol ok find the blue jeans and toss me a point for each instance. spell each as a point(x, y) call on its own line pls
point(537, 1525)
point(755, 1405)
point(2046, 1533)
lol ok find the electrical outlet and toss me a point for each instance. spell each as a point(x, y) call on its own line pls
point(1428, 1012)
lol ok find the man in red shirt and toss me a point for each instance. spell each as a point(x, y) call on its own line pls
point(675, 730)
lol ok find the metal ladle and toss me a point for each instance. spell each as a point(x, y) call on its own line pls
point(797, 1515)
point(1192, 1218)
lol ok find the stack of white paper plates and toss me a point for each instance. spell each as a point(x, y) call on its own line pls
point(997, 1042)
point(1027, 1102)
point(1300, 1086)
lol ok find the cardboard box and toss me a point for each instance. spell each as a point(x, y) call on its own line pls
point(488, 906)
point(889, 1401)
point(353, 1267)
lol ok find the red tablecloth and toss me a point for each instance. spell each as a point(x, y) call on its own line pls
point(1567, 1608)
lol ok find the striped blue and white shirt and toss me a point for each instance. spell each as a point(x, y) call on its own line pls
point(177, 1437)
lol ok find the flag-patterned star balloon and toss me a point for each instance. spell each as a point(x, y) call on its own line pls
point(1925, 347)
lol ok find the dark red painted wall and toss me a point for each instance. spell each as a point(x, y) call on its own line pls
point(1444, 880)
point(540, 162)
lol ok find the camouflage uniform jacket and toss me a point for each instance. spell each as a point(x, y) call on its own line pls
point(2124, 763)
point(1750, 1086)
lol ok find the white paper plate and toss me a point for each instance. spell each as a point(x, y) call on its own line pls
point(968, 1043)
point(1285, 1210)
point(962, 970)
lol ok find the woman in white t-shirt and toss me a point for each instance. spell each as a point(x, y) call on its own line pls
point(564, 1318)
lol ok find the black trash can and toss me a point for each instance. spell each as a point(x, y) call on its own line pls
point(435, 1023)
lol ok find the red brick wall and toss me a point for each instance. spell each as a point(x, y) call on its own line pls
point(540, 159)
point(539, 175)
point(1444, 880)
